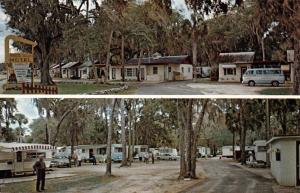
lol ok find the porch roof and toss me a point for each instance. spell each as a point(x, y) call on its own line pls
point(71, 65)
point(184, 59)
point(237, 57)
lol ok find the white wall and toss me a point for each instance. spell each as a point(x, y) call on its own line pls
point(284, 171)
point(231, 78)
point(188, 71)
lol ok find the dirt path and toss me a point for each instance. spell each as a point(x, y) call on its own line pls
point(223, 177)
point(158, 178)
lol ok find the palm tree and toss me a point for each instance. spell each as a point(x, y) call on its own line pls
point(21, 120)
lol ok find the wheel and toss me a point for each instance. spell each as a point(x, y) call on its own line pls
point(251, 83)
point(275, 83)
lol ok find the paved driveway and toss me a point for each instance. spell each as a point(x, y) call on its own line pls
point(223, 177)
point(191, 88)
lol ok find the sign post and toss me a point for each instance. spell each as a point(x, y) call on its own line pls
point(18, 64)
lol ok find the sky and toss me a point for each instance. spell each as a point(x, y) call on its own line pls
point(26, 106)
point(178, 4)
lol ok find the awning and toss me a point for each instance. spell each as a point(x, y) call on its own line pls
point(15, 147)
point(229, 66)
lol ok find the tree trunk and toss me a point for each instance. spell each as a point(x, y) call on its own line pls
point(47, 134)
point(123, 137)
point(181, 142)
point(109, 138)
point(45, 73)
point(123, 58)
point(108, 65)
point(243, 132)
point(188, 139)
point(263, 48)
point(139, 65)
point(195, 48)
point(296, 86)
point(129, 137)
point(233, 144)
point(267, 119)
point(196, 136)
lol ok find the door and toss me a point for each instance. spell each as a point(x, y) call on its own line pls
point(298, 163)
point(19, 164)
point(243, 71)
point(143, 73)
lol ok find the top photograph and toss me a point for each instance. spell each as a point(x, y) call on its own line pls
point(150, 47)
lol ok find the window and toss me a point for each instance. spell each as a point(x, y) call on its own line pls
point(155, 70)
point(189, 70)
point(101, 151)
point(278, 155)
point(229, 71)
point(118, 150)
point(250, 72)
point(83, 150)
point(170, 69)
point(64, 71)
point(262, 149)
point(19, 156)
point(114, 73)
point(130, 72)
point(84, 72)
point(182, 69)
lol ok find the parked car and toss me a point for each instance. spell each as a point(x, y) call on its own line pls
point(166, 156)
point(263, 76)
point(61, 161)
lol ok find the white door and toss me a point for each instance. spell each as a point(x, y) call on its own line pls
point(19, 162)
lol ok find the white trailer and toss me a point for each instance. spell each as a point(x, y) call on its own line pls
point(16, 158)
point(260, 150)
point(227, 151)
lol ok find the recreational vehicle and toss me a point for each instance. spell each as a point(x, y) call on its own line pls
point(16, 158)
point(261, 150)
point(167, 154)
point(227, 151)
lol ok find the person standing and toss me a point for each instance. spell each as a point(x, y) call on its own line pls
point(40, 169)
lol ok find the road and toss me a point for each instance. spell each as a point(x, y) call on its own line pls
point(191, 88)
point(223, 177)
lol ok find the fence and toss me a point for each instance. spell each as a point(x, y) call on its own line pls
point(28, 88)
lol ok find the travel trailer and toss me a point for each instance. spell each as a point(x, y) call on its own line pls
point(165, 153)
point(203, 152)
point(227, 151)
point(99, 151)
point(18, 158)
point(261, 151)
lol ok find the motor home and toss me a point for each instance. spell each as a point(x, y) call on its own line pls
point(17, 158)
point(260, 150)
point(227, 151)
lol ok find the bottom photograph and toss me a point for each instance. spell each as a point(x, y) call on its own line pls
point(149, 145)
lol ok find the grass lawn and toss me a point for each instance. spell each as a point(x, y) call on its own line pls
point(69, 88)
point(276, 91)
point(81, 184)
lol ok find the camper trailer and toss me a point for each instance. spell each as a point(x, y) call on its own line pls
point(227, 151)
point(260, 150)
point(203, 152)
point(17, 158)
point(167, 154)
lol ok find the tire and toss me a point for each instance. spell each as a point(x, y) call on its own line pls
point(275, 84)
point(251, 83)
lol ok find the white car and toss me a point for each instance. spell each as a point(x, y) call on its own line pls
point(166, 156)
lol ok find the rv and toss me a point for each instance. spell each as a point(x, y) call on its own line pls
point(260, 151)
point(227, 151)
point(203, 152)
point(17, 158)
point(167, 154)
